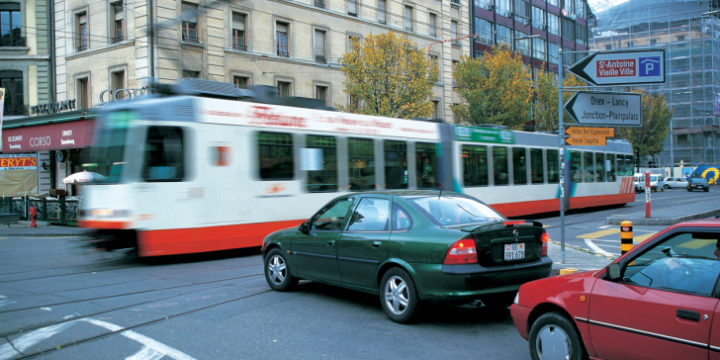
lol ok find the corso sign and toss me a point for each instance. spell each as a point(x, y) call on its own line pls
point(38, 141)
point(122, 94)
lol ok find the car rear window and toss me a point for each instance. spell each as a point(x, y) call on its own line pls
point(456, 210)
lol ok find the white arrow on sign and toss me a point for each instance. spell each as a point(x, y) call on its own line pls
point(622, 67)
point(606, 109)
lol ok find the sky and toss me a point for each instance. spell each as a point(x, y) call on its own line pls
point(600, 5)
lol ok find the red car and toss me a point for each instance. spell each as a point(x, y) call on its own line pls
point(659, 301)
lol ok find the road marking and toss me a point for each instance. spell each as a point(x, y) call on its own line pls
point(152, 349)
point(596, 248)
point(4, 301)
point(597, 234)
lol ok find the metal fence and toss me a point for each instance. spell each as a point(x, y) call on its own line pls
point(57, 210)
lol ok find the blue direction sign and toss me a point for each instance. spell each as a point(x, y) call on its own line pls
point(622, 67)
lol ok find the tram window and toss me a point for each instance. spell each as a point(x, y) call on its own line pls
point(575, 167)
point(396, 171)
point(325, 179)
point(553, 167)
point(361, 167)
point(275, 152)
point(164, 154)
point(536, 166)
point(475, 165)
point(426, 165)
point(610, 167)
point(519, 158)
point(625, 165)
point(589, 167)
point(600, 167)
point(500, 165)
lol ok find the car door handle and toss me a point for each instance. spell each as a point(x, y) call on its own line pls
point(689, 315)
point(331, 242)
point(377, 243)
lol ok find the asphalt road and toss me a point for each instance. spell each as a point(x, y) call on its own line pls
point(59, 300)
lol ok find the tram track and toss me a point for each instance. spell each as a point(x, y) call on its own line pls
point(68, 344)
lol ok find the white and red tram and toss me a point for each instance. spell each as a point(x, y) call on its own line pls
point(189, 173)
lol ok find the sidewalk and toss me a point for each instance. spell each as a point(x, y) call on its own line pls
point(44, 228)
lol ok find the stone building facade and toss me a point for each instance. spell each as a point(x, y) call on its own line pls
point(293, 45)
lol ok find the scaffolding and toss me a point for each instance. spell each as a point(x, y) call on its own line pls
point(689, 31)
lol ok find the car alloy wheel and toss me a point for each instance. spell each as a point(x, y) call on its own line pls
point(277, 273)
point(553, 336)
point(398, 296)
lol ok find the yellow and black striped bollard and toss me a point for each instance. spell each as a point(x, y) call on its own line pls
point(626, 236)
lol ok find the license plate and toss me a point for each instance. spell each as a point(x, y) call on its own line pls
point(514, 251)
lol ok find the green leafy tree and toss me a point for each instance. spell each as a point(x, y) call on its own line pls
point(545, 107)
point(388, 75)
point(496, 89)
point(649, 137)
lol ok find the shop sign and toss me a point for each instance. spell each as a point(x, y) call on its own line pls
point(122, 94)
point(480, 134)
point(18, 162)
point(66, 135)
point(53, 107)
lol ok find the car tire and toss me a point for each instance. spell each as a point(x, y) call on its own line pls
point(398, 296)
point(277, 271)
point(553, 336)
point(666, 186)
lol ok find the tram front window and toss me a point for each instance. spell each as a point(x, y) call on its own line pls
point(107, 155)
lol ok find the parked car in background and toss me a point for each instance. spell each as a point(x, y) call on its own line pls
point(658, 301)
point(697, 183)
point(656, 182)
point(409, 247)
point(675, 182)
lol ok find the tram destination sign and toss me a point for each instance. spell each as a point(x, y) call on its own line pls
point(622, 67)
point(606, 109)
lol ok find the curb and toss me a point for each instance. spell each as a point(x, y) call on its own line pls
point(616, 220)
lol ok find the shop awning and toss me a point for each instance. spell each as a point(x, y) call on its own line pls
point(53, 136)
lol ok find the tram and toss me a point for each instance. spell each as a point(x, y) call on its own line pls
point(211, 167)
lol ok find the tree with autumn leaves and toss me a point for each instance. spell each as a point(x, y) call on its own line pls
point(497, 89)
point(648, 139)
point(388, 75)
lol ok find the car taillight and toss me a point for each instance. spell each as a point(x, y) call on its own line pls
point(462, 252)
point(545, 238)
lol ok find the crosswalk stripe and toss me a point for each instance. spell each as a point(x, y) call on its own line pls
point(597, 234)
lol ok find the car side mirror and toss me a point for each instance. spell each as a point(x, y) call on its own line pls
point(305, 228)
point(613, 271)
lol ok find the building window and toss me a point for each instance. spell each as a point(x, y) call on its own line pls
point(504, 7)
point(568, 30)
point(553, 52)
point(281, 37)
point(408, 18)
point(538, 17)
point(539, 49)
point(241, 81)
point(117, 81)
point(12, 82)
point(522, 43)
point(190, 23)
point(454, 32)
point(382, 11)
point(580, 8)
point(554, 2)
point(483, 31)
point(81, 31)
point(238, 31)
point(504, 35)
point(83, 93)
point(581, 34)
point(352, 7)
point(485, 4)
point(11, 25)
point(653, 41)
point(319, 46)
point(321, 93)
point(284, 88)
point(681, 38)
point(190, 74)
point(320, 3)
point(117, 17)
point(352, 37)
point(432, 25)
point(553, 24)
point(435, 61)
point(522, 12)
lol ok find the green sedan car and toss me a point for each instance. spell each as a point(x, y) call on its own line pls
point(409, 247)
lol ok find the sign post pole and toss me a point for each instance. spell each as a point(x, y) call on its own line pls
point(561, 155)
